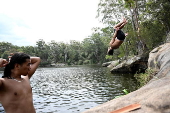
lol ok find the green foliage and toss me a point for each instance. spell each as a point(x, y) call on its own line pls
point(109, 57)
point(144, 78)
point(148, 22)
point(125, 91)
point(43, 64)
point(80, 62)
point(5, 54)
point(159, 10)
point(153, 33)
point(129, 3)
point(86, 62)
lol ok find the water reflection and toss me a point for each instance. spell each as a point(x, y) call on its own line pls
point(76, 89)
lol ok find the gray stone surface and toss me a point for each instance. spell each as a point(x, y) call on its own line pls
point(131, 65)
point(106, 64)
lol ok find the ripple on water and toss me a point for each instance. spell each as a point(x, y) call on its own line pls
point(75, 89)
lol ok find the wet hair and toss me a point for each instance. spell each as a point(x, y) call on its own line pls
point(17, 58)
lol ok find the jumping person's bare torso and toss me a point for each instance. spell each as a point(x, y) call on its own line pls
point(116, 44)
point(16, 96)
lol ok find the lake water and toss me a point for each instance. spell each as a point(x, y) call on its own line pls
point(76, 89)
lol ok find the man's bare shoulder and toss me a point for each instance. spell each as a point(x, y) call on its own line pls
point(2, 79)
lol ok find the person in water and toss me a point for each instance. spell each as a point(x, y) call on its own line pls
point(15, 88)
point(118, 37)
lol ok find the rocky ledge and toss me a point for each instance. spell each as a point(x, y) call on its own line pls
point(135, 64)
point(154, 97)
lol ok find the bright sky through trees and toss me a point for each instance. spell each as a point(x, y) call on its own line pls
point(23, 22)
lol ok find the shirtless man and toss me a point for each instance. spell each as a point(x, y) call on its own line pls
point(15, 89)
point(118, 37)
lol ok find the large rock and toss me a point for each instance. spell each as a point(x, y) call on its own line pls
point(131, 65)
point(113, 64)
point(106, 64)
point(154, 97)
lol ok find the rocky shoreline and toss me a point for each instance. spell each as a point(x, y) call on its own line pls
point(135, 64)
point(154, 97)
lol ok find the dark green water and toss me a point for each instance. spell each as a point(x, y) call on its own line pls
point(76, 89)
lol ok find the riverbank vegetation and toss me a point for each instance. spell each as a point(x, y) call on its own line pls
point(148, 25)
point(144, 78)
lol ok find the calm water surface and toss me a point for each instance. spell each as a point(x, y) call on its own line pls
point(76, 89)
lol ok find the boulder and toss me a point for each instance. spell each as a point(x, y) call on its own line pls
point(106, 64)
point(113, 64)
point(131, 65)
point(154, 97)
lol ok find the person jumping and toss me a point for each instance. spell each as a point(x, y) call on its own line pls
point(118, 37)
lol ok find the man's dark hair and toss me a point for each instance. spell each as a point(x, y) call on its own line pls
point(17, 58)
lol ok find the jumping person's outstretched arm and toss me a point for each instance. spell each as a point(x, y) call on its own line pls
point(118, 25)
point(121, 24)
point(35, 61)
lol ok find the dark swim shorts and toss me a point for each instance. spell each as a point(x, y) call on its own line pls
point(120, 35)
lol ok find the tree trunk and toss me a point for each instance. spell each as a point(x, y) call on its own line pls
point(141, 46)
